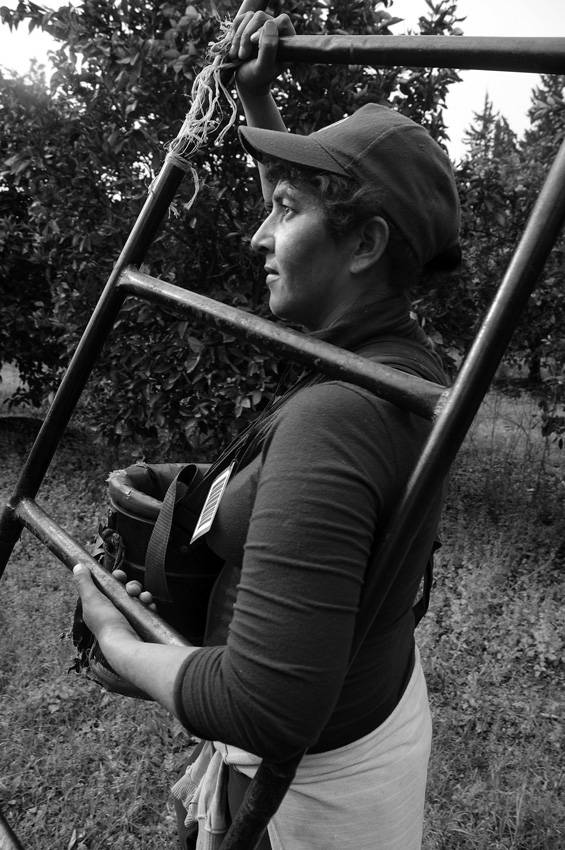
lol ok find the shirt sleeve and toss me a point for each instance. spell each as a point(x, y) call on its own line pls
point(328, 472)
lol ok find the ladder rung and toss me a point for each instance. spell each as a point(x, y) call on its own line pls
point(528, 55)
point(400, 388)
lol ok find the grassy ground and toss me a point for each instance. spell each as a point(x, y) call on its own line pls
point(81, 770)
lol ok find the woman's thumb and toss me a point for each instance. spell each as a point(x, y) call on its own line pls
point(81, 571)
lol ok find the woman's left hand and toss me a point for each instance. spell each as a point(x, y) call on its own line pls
point(100, 615)
point(254, 30)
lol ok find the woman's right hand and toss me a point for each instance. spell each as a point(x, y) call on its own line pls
point(259, 30)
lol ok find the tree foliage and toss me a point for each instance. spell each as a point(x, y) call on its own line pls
point(545, 318)
point(80, 163)
point(503, 179)
point(499, 181)
point(492, 215)
point(29, 333)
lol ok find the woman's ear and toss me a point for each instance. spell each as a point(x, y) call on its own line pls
point(371, 240)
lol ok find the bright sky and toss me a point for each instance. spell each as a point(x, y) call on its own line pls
point(509, 92)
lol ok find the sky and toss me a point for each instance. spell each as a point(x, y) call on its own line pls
point(509, 92)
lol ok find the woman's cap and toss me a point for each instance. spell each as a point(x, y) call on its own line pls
point(381, 147)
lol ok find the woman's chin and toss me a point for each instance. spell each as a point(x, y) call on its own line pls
point(277, 307)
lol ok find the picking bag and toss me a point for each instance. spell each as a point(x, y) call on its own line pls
point(153, 511)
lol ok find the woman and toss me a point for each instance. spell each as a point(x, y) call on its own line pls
point(357, 210)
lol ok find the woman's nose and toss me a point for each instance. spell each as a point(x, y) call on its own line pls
point(261, 241)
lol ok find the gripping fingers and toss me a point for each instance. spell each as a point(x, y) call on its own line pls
point(244, 28)
point(147, 598)
point(259, 24)
point(238, 26)
point(135, 588)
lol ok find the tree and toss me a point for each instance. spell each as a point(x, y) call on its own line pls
point(121, 81)
point(489, 187)
point(545, 318)
point(29, 335)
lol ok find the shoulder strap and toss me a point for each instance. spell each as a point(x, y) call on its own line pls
point(187, 479)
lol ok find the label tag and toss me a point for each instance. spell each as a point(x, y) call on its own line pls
point(212, 503)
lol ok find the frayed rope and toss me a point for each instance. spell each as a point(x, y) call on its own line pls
point(205, 115)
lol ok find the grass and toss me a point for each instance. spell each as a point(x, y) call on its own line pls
point(493, 641)
point(82, 770)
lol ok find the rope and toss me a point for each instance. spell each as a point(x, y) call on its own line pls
point(205, 114)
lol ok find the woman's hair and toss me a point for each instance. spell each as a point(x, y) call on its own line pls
point(346, 203)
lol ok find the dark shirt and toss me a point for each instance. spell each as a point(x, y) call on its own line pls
point(296, 528)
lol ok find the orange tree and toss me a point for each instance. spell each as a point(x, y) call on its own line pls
point(29, 333)
point(117, 95)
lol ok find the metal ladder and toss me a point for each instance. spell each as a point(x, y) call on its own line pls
point(452, 410)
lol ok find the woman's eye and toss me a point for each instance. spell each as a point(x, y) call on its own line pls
point(287, 209)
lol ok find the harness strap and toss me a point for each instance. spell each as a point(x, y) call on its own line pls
point(155, 557)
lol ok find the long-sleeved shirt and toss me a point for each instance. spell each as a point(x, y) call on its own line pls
point(296, 528)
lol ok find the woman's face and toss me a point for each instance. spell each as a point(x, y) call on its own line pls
point(307, 268)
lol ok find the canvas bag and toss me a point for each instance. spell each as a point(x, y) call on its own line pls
point(153, 511)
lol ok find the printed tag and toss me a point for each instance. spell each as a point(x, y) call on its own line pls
point(212, 503)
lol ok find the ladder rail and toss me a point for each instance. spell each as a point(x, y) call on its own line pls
point(82, 362)
point(544, 225)
point(69, 551)
point(8, 839)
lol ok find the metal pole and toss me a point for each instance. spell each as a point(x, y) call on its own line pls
point(146, 623)
point(400, 388)
point(161, 193)
point(543, 228)
point(532, 55)
point(8, 839)
point(88, 349)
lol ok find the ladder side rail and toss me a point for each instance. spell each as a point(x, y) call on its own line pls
point(540, 55)
point(461, 404)
point(407, 391)
point(146, 622)
point(8, 838)
point(99, 326)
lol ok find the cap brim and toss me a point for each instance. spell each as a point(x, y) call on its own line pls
point(277, 144)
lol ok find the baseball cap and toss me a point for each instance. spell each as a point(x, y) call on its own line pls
point(379, 146)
